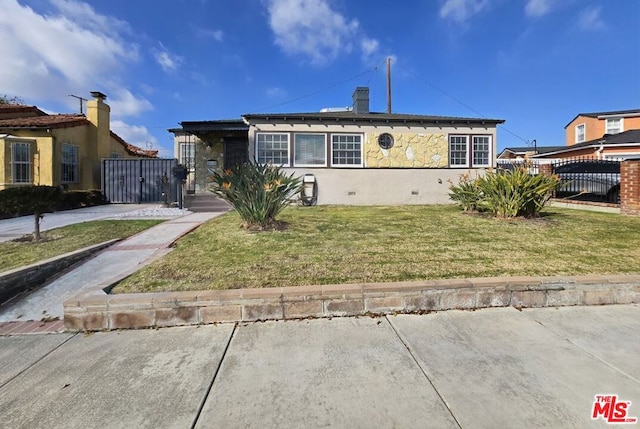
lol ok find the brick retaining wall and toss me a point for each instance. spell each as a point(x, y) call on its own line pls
point(100, 311)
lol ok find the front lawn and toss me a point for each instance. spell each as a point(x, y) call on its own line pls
point(327, 245)
point(67, 239)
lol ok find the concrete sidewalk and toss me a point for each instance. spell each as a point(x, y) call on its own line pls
point(107, 267)
point(493, 368)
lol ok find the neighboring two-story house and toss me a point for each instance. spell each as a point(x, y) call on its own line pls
point(59, 150)
point(354, 156)
point(591, 126)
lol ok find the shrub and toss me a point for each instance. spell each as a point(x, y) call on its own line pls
point(78, 199)
point(257, 192)
point(36, 200)
point(466, 193)
point(507, 193)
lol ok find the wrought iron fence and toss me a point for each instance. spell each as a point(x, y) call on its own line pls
point(584, 179)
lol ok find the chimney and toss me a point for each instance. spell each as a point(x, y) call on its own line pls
point(98, 113)
point(361, 100)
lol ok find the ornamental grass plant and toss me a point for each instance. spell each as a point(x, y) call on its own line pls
point(257, 192)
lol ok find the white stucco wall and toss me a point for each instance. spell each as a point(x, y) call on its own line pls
point(383, 186)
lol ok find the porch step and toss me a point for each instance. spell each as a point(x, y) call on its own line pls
point(205, 203)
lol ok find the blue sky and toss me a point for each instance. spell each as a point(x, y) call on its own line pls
point(534, 63)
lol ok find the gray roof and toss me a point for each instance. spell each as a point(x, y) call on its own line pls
point(539, 149)
point(621, 139)
point(610, 113)
point(372, 117)
point(219, 125)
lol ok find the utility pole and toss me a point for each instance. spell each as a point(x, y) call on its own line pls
point(80, 99)
point(389, 85)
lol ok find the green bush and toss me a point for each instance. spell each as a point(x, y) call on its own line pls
point(79, 199)
point(466, 193)
point(506, 193)
point(257, 192)
point(36, 200)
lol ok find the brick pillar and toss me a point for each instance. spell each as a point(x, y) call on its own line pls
point(630, 187)
point(545, 169)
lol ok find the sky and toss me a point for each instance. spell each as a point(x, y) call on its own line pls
point(534, 63)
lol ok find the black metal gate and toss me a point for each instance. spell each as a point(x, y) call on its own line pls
point(139, 180)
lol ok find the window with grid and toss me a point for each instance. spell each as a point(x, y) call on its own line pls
point(458, 154)
point(309, 150)
point(69, 163)
point(481, 151)
point(580, 133)
point(346, 150)
point(614, 126)
point(21, 163)
point(272, 148)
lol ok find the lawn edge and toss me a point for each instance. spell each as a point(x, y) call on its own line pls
point(97, 311)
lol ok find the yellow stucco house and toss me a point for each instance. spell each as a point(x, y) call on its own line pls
point(59, 150)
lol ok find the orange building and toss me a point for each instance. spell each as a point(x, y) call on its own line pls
point(591, 126)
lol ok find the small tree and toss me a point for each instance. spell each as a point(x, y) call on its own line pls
point(257, 192)
point(36, 200)
point(7, 99)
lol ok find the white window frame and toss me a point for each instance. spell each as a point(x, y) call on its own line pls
point(14, 163)
point(74, 164)
point(324, 146)
point(472, 150)
point(606, 125)
point(257, 146)
point(466, 156)
point(584, 133)
point(337, 165)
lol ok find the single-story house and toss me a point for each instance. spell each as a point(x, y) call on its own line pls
point(522, 152)
point(354, 156)
point(622, 145)
point(59, 150)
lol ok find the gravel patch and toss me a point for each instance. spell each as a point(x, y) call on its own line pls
point(154, 212)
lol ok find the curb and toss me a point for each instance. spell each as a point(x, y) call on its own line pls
point(99, 311)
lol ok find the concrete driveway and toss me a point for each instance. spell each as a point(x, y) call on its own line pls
point(494, 368)
point(19, 226)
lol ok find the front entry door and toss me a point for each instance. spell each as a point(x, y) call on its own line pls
point(236, 151)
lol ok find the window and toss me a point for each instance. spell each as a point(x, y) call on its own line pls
point(69, 163)
point(346, 150)
point(186, 156)
point(21, 163)
point(478, 155)
point(309, 150)
point(273, 148)
point(580, 133)
point(458, 151)
point(481, 151)
point(614, 126)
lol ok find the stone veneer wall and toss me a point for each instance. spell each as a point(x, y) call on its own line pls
point(410, 150)
point(203, 154)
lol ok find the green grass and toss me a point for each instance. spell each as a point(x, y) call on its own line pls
point(326, 245)
point(67, 239)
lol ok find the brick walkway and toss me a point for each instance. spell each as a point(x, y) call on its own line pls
point(31, 327)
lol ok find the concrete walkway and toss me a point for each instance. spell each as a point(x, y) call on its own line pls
point(107, 267)
point(493, 368)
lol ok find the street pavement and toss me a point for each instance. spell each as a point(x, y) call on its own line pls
point(492, 368)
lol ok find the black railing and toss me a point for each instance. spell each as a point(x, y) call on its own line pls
point(584, 179)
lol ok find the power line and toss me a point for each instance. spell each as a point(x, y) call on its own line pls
point(462, 103)
point(311, 94)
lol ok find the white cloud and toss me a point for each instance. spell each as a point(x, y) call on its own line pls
point(310, 28)
point(73, 50)
point(123, 103)
point(169, 62)
point(369, 47)
point(590, 20)
point(462, 10)
point(537, 8)
point(275, 92)
point(216, 35)
point(134, 134)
